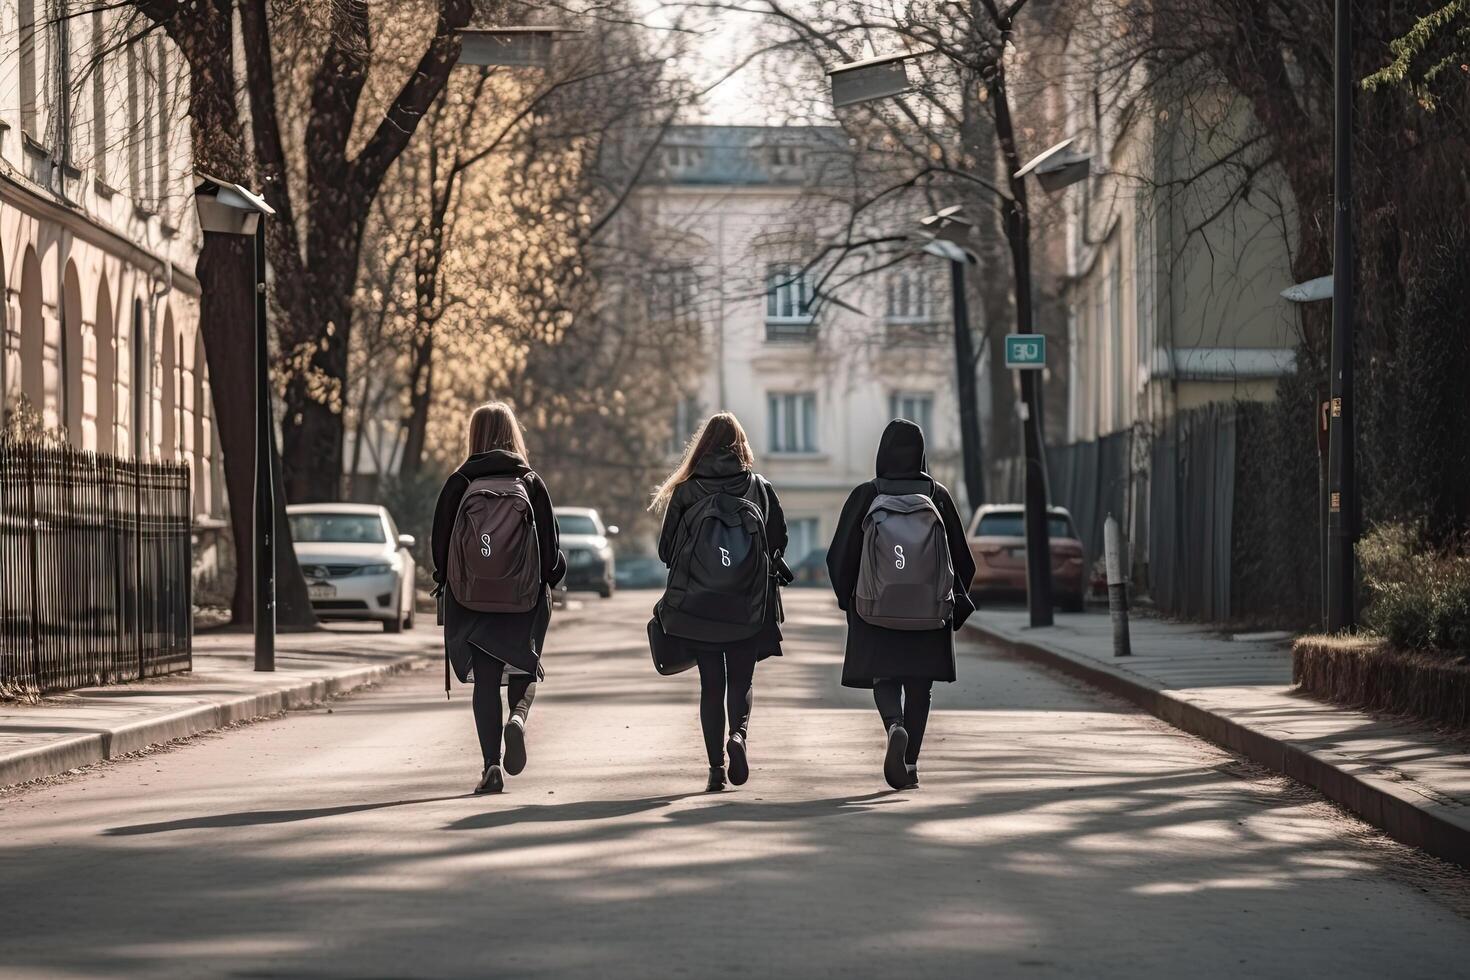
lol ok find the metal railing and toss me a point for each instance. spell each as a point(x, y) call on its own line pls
point(95, 568)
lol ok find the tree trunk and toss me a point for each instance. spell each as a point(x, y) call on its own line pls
point(421, 394)
point(313, 434)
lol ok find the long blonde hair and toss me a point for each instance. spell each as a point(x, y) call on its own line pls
point(721, 430)
point(494, 426)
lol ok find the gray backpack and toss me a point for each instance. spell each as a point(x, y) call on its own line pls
point(494, 552)
point(906, 580)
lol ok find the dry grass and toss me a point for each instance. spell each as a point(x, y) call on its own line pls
point(1366, 672)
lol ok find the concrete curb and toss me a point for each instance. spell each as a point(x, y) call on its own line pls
point(93, 747)
point(1440, 827)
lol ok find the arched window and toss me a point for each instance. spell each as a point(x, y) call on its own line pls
point(138, 381)
point(168, 404)
point(32, 333)
point(107, 380)
point(73, 400)
point(203, 435)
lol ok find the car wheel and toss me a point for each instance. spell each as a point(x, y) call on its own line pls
point(395, 625)
point(1074, 603)
point(605, 591)
point(408, 621)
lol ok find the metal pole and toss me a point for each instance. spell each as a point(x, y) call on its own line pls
point(1341, 487)
point(265, 486)
point(1038, 537)
point(1117, 586)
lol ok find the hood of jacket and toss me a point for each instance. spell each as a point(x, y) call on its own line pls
point(720, 470)
point(901, 452)
point(496, 462)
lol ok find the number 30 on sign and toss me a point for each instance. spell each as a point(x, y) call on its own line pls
point(1025, 351)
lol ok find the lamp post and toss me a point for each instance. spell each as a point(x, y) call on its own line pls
point(229, 209)
point(1342, 498)
point(947, 232)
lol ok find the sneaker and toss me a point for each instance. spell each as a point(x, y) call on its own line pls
point(716, 779)
point(913, 777)
point(739, 765)
point(493, 781)
point(515, 746)
point(894, 769)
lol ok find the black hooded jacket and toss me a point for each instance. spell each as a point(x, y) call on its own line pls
point(872, 651)
point(722, 472)
point(514, 638)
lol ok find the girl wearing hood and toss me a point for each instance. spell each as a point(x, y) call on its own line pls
point(495, 649)
point(718, 460)
point(900, 666)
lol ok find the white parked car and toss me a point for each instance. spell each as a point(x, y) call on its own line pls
point(357, 565)
point(584, 540)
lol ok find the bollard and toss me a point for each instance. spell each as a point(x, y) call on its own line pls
point(1117, 586)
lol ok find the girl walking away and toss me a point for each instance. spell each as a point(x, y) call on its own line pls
point(722, 539)
point(496, 557)
point(901, 570)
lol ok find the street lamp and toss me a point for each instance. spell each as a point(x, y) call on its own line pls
point(514, 47)
point(871, 79)
point(947, 232)
point(228, 209)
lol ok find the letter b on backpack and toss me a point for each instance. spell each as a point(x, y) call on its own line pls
point(906, 579)
point(494, 553)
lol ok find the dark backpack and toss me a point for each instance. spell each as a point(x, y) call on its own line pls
point(906, 579)
point(494, 552)
point(719, 581)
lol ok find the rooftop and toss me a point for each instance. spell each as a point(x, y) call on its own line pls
point(750, 156)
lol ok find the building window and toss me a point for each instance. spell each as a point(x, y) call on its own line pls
point(801, 538)
point(911, 313)
point(29, 117)
point(789, 291)
point(99, 97)
point(793, 422)
point(914, 406)
point(672, 293)
point(1144, 284)
point(784, 156)
point(1120, 385)
point(676, 157)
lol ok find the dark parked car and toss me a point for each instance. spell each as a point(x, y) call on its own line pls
point(640, 572)
point(998, 544)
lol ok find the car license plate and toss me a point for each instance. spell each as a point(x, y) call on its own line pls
point(321, 590)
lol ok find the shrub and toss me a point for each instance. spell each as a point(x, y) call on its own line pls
point(1419, 594)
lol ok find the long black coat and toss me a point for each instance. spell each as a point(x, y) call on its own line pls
point(874, 652)
point(720, 471)
point(515, 639)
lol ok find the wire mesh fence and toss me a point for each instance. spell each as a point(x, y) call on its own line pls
point(95, 568)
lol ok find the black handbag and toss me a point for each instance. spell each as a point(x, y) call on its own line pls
point(669, 655)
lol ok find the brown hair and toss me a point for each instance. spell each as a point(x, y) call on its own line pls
point(720, 431)
point(494, 426)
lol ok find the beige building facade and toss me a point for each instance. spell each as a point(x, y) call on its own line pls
point(98, 240)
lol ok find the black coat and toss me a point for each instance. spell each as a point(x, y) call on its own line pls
point(721, 472)
point(872, 651)
point(514, 638)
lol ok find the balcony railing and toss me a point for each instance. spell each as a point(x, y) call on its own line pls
point(790, 329)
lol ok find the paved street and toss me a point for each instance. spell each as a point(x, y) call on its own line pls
point(1058, 833)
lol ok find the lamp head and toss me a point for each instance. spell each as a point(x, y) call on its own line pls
point(228, 208)
point(871, 79)
point(515, 47)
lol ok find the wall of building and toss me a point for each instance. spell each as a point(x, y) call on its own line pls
point(98, 240)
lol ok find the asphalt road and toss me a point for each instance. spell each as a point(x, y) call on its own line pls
point(1058, 833)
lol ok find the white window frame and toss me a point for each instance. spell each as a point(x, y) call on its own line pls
point(792, 423)
point(789, 294)
point(899, 403)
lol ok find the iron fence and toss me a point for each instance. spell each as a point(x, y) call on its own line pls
point(95, 568)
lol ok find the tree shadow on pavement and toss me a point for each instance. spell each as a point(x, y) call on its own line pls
point(257, 818)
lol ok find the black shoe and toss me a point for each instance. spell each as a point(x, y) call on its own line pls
point(493, 781)
point(515, 746)
point(739, 765)
point(913, 777)
point(716, 779)
point(894, 770)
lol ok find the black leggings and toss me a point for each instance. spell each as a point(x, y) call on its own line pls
point(906, 703)
point(714, 670)
point(488, 719)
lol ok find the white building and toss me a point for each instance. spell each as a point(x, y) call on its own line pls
point(737, 213)
point(98, 239)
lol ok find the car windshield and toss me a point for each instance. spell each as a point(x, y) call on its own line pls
point(576, 524)
point(337, 529)
point(1012, 524)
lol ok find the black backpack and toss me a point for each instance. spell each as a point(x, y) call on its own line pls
point(719, 581)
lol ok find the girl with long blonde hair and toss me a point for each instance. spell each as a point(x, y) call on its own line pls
point(718, 461)
point(491, 648)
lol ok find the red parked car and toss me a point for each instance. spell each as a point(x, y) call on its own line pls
point(998, 543)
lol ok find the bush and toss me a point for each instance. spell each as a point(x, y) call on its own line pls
point(1419, 594)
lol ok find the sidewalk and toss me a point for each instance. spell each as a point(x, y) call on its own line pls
point(1399, 776)
point(93, 724)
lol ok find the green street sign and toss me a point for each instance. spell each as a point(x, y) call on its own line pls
point(1026, 351)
